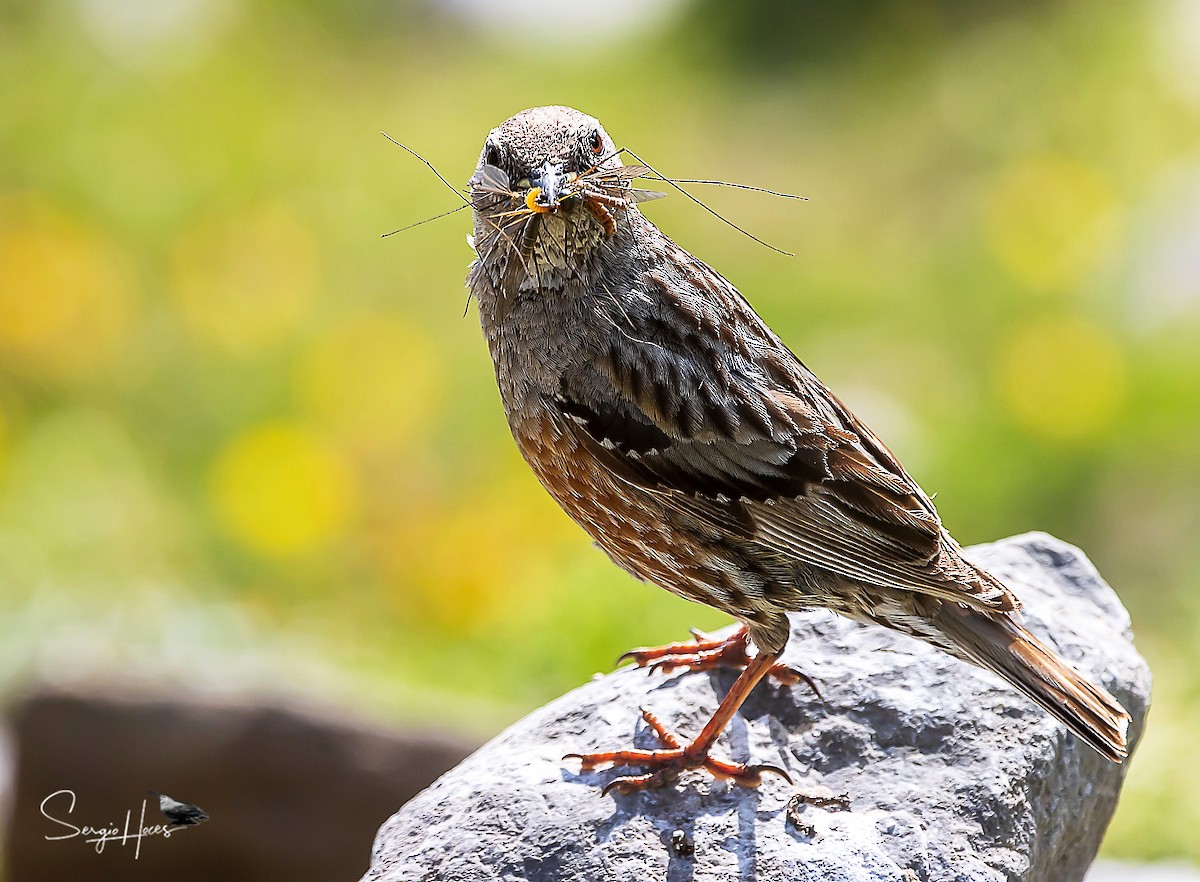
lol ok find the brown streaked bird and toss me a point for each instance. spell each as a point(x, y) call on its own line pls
point(670, 422)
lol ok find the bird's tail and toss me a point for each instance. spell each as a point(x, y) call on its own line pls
point(1000, 644)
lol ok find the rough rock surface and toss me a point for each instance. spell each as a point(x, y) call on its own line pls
point(950, 774)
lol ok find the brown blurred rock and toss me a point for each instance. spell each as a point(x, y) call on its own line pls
point(292, 793)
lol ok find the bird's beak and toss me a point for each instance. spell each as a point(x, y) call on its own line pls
point(549, 181)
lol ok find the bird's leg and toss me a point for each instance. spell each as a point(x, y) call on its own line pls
point(705, 654)
point(664, 765)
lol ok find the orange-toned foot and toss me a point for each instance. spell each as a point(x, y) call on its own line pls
point(663, 766)
point(706, 654)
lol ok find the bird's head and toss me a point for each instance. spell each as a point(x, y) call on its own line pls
point(549, 185)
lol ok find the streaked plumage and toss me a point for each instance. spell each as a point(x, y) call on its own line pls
point(665, 417)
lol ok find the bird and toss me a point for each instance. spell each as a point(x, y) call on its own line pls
point(180, 814)
point(669, 421)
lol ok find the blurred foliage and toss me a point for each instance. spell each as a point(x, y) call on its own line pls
point(242, 437)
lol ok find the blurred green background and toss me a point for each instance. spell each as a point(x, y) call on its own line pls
point(246, 442)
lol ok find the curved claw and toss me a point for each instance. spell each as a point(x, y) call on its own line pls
point(628, 784)
point(801, 677)
point(643, 655)
point(628, 655)
point(757, 772)
point(586, 763)
point(665, 665)
point(747, 776)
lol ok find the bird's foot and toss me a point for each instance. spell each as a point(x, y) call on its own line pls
point(705, 654)
point(663, 766)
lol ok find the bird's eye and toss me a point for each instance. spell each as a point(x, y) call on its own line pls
point(492, 155)
point(597, 142)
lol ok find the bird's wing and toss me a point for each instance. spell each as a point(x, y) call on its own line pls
point(756, 445)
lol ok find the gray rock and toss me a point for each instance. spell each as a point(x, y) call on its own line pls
point(950, 774)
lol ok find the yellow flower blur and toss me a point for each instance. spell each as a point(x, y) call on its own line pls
point(1062, 378)
point(245, 280)
point(373, 380)
point(280, 490)
point(66, 293)
point(1050, 220)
